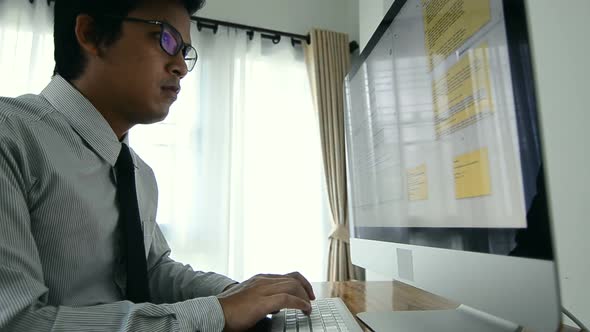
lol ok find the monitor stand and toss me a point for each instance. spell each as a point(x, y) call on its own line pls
point(463, 318)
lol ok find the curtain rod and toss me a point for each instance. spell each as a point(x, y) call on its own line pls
point(273, 35)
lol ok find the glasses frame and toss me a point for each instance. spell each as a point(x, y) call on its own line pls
point(182, 46)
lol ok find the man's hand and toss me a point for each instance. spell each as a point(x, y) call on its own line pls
point(246, 303)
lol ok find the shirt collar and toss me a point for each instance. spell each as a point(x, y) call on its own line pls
point(84, 118)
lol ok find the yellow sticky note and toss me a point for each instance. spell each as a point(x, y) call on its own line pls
point(448, 24)
point(417, 183)
point(463, 95)
point(472, 174)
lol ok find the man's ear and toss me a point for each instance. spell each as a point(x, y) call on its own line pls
point(86, 34)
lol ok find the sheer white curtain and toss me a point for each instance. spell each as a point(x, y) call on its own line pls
point(238, 161)
point(26, 46)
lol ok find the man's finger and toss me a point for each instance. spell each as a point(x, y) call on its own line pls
point(306, 285)
point(281, 301)
point(295, 275)
point(288, 286)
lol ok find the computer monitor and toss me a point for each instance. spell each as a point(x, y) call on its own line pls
point(444, 166)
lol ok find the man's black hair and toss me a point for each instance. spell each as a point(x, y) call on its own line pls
point(70, 61)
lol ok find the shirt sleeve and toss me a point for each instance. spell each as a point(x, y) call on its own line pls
point(23, 294)
point(171, 281)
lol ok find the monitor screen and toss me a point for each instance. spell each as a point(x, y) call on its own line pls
point(444, 163)
point(443, 145)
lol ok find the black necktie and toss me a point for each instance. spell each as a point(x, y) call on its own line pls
point(129, 222)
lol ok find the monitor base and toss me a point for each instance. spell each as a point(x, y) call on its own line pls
point(461, 319)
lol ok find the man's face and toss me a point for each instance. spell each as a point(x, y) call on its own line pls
point(141, 79)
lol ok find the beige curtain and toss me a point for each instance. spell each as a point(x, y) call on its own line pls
point(328, 62)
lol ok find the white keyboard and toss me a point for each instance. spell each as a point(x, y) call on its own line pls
point(329, 314)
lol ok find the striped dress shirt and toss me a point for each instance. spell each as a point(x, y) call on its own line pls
point(61, 267)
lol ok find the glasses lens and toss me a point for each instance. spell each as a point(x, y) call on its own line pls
point(190, 57)
point(169, 42)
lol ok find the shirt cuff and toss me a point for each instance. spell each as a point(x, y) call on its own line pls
point(202, 314)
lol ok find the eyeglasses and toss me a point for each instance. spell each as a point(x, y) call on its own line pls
point(170, 40)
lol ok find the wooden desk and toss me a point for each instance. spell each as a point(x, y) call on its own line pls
point(380, 296)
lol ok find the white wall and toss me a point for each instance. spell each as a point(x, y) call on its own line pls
point(560, 48)
point(295, 16)
point(561, 51)
point(370, 14)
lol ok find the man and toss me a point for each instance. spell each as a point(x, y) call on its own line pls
point(79, 246)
